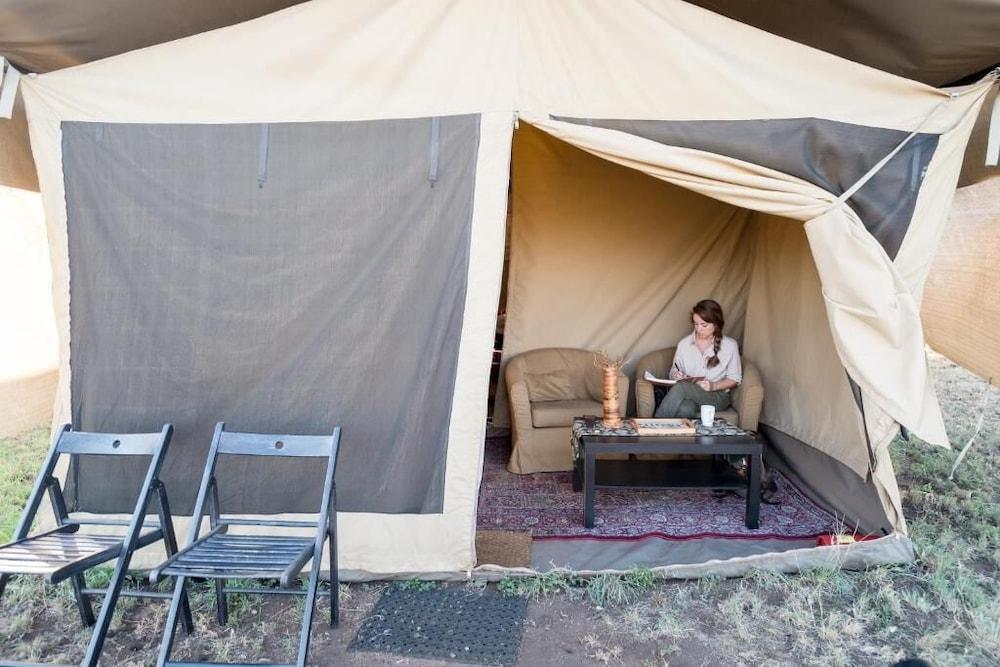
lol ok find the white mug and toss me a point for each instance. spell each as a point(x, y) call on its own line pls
point(707, 415)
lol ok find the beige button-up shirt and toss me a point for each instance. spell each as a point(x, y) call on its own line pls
point(691, 361)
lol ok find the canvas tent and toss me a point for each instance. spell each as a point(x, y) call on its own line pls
point(236, 235)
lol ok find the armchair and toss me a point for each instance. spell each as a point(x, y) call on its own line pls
point(547, 388)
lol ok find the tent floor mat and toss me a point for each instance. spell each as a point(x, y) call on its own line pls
point(507, 548)
point(452, 624)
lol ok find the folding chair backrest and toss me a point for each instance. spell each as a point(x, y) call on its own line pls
point(262, 444)
point(84, 444)
point(109, 444)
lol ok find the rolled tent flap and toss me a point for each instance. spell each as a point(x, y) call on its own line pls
point(874, 320)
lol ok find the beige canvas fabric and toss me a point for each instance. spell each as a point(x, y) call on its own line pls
point(43, 35)
point(889, 550)
point(650, 60)
point(961, 308)
point(27, 331)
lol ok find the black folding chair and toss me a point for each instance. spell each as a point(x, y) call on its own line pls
point(221, 555)
point(66, 553)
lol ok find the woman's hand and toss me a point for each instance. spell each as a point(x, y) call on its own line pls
point(705, 384)
point(677, 374)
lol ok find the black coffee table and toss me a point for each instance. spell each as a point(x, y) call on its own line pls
point(590, 474)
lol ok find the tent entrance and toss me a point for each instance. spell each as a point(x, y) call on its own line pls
point(603, 256)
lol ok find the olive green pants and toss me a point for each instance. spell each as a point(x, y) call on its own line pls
point(686, 398)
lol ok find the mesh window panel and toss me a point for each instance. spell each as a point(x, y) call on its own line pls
point(283, 278)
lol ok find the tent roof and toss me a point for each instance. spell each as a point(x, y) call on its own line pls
point(935, 43)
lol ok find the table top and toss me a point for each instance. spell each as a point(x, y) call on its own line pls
point(723, 438)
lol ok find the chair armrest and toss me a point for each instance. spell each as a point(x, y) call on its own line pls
point(658, 363)
point(645, 399)
point(748, 398)
point(520, 406)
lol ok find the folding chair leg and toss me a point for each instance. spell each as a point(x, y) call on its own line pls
point(82, 601)
point(334, 581)
point(107, 611)
point(170, 545)
point(167, 643)
point(3, 583)
point(307, 614)
point(221, 610)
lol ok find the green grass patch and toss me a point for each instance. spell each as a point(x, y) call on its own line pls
point(538, 586)
point(21, 458)
point(418, 585)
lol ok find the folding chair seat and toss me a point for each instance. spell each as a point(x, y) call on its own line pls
point(58, 554)
point(221, 555)
point(66, 553)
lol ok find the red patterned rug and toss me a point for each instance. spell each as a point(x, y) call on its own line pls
point(546, 505)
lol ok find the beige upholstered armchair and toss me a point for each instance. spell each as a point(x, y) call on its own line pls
point(748, 398)
point(547, 389)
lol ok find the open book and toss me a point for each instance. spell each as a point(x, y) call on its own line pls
point(649, 377)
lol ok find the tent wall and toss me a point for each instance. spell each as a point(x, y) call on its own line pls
point(806, 391)
point(854, 500)
point(27, 331)
point(961, 307)
point(604, 257)
point(373, 543)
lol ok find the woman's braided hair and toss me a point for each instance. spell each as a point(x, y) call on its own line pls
point(711, 312)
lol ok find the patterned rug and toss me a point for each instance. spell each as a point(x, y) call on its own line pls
point(546, 505)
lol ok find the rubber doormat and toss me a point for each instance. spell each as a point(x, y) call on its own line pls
point(453, 624)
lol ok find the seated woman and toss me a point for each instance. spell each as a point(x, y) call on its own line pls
point(707, 365)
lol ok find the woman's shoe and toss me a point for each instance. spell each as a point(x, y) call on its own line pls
point(768, 490)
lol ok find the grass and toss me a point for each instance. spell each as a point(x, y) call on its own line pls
point(945, 607)
point(22, 458)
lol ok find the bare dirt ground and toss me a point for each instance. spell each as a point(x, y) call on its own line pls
point(944, 608)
